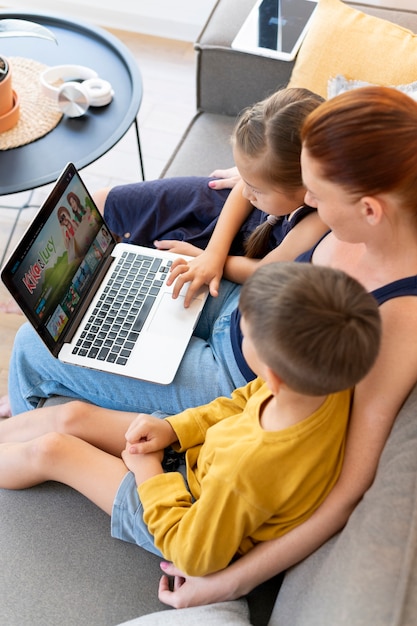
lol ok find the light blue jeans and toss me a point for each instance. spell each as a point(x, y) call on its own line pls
point(208, 370)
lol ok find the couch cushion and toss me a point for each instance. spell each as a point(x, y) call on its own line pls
point(205, 147)
point(368, 573)
point(59, 564)
point(343, 40)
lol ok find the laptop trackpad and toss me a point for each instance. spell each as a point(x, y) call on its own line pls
point(171, 315)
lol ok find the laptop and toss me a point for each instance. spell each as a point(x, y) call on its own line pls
point(94, 302)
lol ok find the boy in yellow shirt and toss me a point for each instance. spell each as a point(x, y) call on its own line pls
point(256, 464)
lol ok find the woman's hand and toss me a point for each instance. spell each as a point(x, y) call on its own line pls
point(227, 178)
point(191, 590)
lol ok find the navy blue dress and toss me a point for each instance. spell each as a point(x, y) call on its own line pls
point(183, 208)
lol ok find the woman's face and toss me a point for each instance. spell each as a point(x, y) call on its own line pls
point(261, 193)
point(334, 206)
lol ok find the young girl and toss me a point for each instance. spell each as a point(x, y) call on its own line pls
point(186, 208)
point(267, 136)
point(266, 151)
point(266, 156)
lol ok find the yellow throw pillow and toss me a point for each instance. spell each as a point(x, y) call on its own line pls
point(343, 40)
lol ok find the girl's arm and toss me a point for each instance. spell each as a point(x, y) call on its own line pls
point(378, 398)
point(238, 268)
point(207, 268)
point(301, 238)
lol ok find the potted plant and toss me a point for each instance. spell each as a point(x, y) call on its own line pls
point(9, 99)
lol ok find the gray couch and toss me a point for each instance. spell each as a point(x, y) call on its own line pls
point(58, 563)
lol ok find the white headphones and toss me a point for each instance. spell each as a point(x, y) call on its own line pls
point(73, 98)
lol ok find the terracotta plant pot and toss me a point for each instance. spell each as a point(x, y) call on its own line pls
point(9, 101)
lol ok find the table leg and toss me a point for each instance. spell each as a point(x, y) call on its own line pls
point(142, 170)
point(26, 205)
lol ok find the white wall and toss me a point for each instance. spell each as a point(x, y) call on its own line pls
point(175, 19)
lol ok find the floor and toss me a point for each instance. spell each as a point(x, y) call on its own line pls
point(168, 105)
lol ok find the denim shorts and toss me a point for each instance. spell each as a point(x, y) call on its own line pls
point(127, 515)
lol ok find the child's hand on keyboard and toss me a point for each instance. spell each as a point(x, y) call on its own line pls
point(205, 269)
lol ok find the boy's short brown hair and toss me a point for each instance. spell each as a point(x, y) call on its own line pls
point(315, 327)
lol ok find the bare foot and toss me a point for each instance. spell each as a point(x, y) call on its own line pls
point(10, 307)
point(5, 410)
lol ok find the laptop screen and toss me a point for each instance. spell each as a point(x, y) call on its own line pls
point(54, 265)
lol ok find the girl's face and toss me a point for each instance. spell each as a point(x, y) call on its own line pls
point(261, 193)
point(334, 206)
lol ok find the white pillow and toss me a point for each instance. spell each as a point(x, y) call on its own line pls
point(340, 84)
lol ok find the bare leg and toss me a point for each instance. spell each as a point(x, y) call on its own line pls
point(100, 197)
point(10, 306)
point(103, 428)
point(5, 410)
point(65, 459)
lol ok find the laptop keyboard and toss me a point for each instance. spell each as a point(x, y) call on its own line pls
point(118, 317)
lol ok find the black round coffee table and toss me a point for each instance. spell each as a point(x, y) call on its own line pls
point(84, 139)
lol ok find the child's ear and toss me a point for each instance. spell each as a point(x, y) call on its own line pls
point(272, 379)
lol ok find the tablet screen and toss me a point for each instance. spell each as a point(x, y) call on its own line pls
point(275, 28)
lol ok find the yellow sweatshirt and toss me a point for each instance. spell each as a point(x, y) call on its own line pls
point(246, 484)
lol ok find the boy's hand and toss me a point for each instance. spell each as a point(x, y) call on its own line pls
point(148, 434)
point(144, 466)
